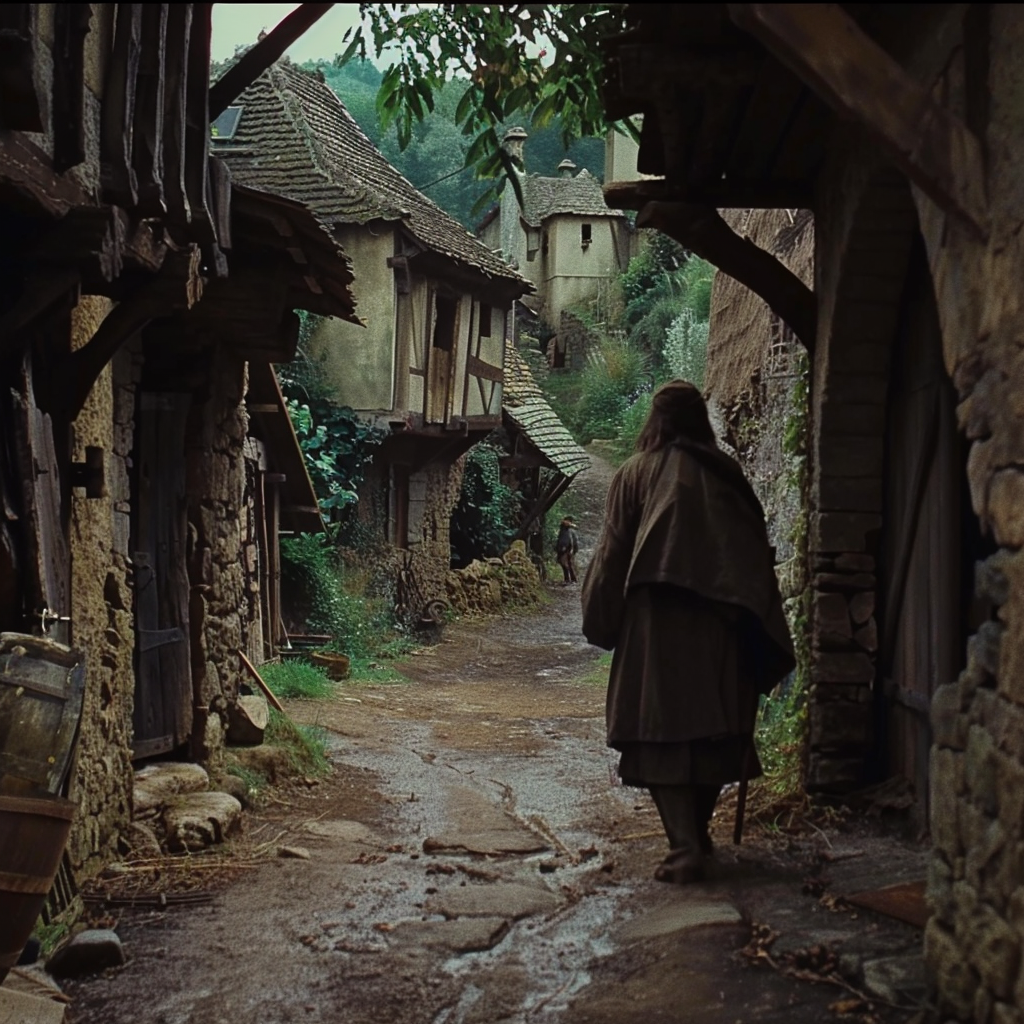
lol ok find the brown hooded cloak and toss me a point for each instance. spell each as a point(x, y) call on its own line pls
point(682, 586)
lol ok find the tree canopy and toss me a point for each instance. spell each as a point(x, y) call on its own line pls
point(542, 58)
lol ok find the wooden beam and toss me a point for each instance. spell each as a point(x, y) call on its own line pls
point(701, 230)
point(118, 111)
point(259, 57)
point(71, 26)
point(178, 287)
point(829, 52)
point(45, 294)
point(27, 180)
point(721, 195)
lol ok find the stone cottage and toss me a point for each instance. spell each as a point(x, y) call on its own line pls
point(564, 239)
point(901, 129)
point(427, 367)
point(140, 289)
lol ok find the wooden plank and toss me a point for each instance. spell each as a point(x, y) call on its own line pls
point(828, 51)
point(71, 26)
point(148, 121)
point(118, 112)
point(48, 567)
point(220, 193)
point(258, 679)
point(197, 125)
point(478, 368)
point(28, 182)
point(176, 48)
point(163, 695)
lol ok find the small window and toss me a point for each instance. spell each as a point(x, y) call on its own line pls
point(485, 320)
point(585, 235)
point(444, 325)
point(224, 128)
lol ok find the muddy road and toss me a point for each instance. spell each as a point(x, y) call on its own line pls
point(472, 860)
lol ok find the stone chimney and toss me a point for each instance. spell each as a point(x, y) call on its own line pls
point(513, 143)
point(566, 168)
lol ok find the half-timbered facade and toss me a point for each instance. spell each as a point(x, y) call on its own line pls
point(427, 365)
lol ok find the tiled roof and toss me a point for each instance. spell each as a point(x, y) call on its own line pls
point(296, 138)
point(581, 195)
point(523, 403)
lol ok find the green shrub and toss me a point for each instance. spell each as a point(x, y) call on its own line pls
point(306, 745)
point(296, 678)
point(486, 516)
point(686, 347)
point(633, 421)
point(779, 737)
point(334, 600)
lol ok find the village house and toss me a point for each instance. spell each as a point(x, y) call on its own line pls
point(144, 298)
point(564, 239)
point(541, 458)
point(428, 365)
point(899, 128)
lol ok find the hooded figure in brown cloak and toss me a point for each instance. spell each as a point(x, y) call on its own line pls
point(682, 586)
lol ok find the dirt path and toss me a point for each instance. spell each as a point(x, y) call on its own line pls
point(471, 860)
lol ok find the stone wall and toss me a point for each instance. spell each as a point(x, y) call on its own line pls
point(222, 606)
point(101, 606)
point(976, 884)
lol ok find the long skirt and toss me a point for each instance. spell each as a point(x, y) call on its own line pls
point(683, 690)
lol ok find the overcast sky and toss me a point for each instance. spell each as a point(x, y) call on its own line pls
point(240, 24)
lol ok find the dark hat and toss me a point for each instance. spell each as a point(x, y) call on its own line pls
point(568, 521)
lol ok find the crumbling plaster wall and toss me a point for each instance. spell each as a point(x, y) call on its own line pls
point(101, 605)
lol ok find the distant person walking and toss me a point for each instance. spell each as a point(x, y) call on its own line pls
point(682, 587)
point(567, 545)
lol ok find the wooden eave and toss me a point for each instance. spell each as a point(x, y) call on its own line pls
point(270, 422)
point(725, 124)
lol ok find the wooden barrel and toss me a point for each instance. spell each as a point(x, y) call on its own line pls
point(42, 684)
point(33, 833)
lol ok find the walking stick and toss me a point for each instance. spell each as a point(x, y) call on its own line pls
point(741, 796)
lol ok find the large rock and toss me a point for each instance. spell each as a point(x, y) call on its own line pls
point(247, 720)
point(157, 783)
point(498, 899)
point(88, 952)
point(194, 821)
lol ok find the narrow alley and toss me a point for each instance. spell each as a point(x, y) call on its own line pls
point(471, 858)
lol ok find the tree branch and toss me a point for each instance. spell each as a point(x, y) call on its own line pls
point(701, 230)
point(259, 57)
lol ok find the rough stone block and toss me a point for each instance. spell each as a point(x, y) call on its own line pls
point(197, 820)
point(993, 949)
point(949, 724)
point(851, 456)
point(990, 576)
point(842, 668)
point(830, 773)
point(853, 418)
point(844, 581)
point(839, 724)
point(981, 768)
point(940, 890)
point(867, 636)
point(831, 614)
point(946, 783)
point(953, 979)
point(846, 494)
point(1005, 507)
point(862, 606)
point(1004, 1013)
point(864, 389)
point(1010, 775)
point(974, 412)
point(157, 783)
point(247, 720)
point(844, 531)
point(88, 952)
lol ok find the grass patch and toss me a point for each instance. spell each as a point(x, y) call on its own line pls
point(255, 782)
point(296, 678)
point(779, 736)
point(305, 745)
point(376, 670)
point(50, 935)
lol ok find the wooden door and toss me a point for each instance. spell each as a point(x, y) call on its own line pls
point(46, 603)
point(163, 677)
point(922, 613)
point(441, 359)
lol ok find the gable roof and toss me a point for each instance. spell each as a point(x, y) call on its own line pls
point(296, 138)
point(547, 197)
point(524, 405)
